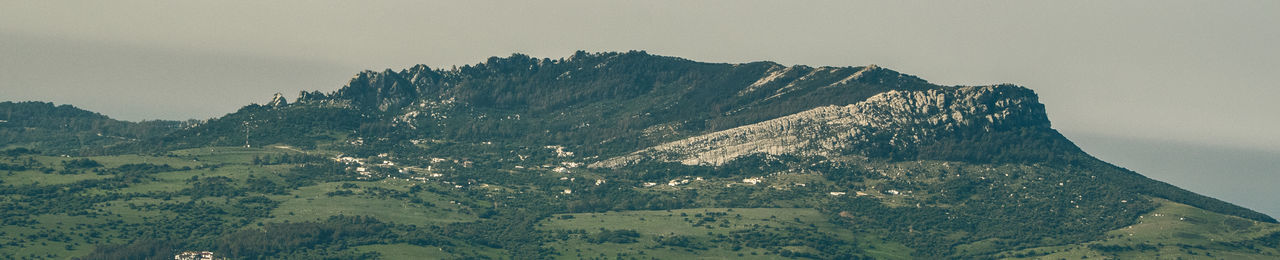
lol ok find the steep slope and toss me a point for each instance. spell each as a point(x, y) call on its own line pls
point(1008, 122)
point(1074, 195)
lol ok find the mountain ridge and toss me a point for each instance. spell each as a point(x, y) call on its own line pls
point(624, 86)
point(415, 102)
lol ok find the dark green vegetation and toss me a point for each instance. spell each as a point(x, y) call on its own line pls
point(489, 161)
point(68, 130)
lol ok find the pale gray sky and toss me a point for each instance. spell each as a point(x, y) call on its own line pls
point(1192, 71)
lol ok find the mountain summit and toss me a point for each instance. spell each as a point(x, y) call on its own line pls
point(603, 155)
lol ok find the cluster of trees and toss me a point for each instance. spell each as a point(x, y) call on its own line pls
point(288, 158)
point(216, 186)
point(12, 167)
point(82, 163)
point(1122, 248)
point(620, 236)
point(680, 241)
point(1025, 145)
point(283, 239)
point(15, 152)
point(776, 240)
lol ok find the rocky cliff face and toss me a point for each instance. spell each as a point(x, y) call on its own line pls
point(899, 119)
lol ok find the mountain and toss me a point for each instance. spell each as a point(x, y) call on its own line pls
point(616, 155)
point(625, 98)
point(65, 129)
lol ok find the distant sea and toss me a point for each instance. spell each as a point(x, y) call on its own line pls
point(1243, 176)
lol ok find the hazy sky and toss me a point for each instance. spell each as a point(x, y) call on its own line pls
point(1194, 71)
